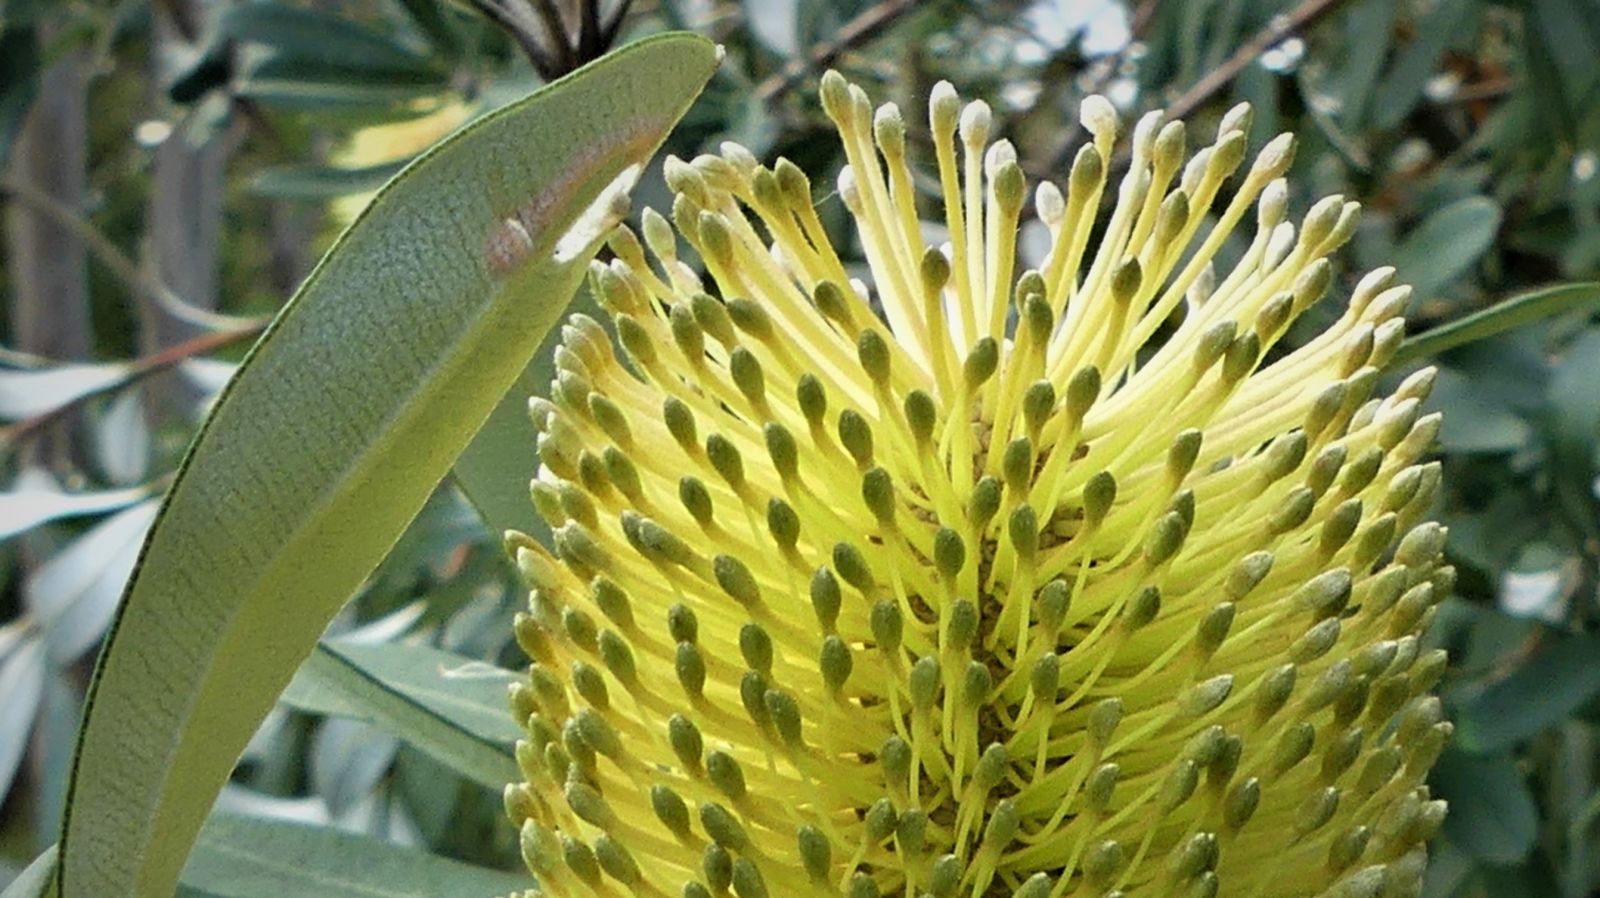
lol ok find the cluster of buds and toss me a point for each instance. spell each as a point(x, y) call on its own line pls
point(977, 582)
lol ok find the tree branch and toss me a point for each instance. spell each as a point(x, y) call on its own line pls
point(1281, 27)
point(125, 269)
point(864, 27)
point(139, 369)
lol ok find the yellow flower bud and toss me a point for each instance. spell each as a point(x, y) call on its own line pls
point(972, 582)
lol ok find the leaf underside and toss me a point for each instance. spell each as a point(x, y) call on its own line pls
point(353, 406)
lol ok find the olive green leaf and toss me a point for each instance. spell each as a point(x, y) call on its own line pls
point(353, 406)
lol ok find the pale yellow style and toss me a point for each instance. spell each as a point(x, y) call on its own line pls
point(971, 581)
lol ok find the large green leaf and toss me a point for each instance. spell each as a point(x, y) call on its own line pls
point(1554, 683)
point(345, 416)
point(246, 857)
point(451, 707)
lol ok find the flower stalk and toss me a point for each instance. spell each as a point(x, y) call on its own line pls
point(965, 581)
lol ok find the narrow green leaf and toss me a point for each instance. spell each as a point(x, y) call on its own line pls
point(1551, 685)
point(314, 36)
point(247, 857)
point(1522, 309)
point(450, 707)
point(345, 416)
point(295, 84)
point(321, 182)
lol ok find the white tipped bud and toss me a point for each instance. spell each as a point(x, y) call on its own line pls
point(1169, 147)
point(1195, 171)
point(1319, 221)
point(1273, 206)
point(1418, 385)
point(944, 108)
point(1279, 245)
point(1275, 157)
point(1386, 340)
point(975, 122)
point(1235, 119)
point(738, 156)
point(848, 190)
point(860, 107)
point(1389, 303)
point(1344, 228)
point(1052, 206)
point(1204, 285)
point(1099, 118)
point(1367, 289)
point(1144, 134)
point(890, 128)
point(999, 153)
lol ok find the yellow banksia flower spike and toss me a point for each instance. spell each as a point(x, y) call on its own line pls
point(973, 581)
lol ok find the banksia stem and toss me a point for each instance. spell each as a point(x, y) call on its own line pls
point(977, 582)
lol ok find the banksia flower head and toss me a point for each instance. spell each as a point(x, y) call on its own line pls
point(973, 581)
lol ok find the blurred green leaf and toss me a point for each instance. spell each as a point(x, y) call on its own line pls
point(314, 37)
point(1568, 29)
point(1407, 78)
point(1369, 33)
point(244, 857)
point(21, 687)
point(1473, 421)
point(1573, 407)
point(25, 393)
point(321, 182)
point(1551, 685)
point(1447, 243)
point(295, 84)
point(37, 881)
point(343, 419)
point(74, 593)
point(451, 707)
point(348, 759)
point(29, 505)
point(433, 19)
point(1492, 814)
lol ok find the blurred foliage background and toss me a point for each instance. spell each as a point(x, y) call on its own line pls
point(172, 168)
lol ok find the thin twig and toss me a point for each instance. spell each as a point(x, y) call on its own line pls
point(137, 370)
point(589, 30)
point(1107, 67)
point(126, 270)
point(556, 28)
point(608, 34)
point(1275, 32)
point(864, 27)
point(525, 38)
